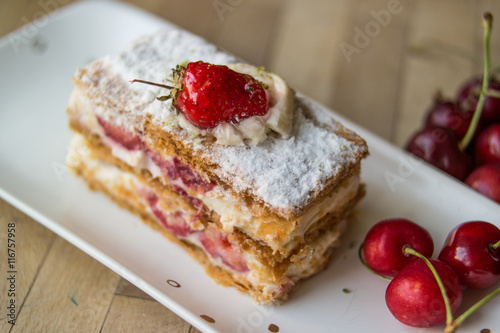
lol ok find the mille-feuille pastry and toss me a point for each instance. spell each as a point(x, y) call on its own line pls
point(255, 181)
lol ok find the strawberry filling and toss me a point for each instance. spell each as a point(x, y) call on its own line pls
point(196, 202)
point(175, 169)
point(174, 223)
point(218, 246)
point(188, 177)
point(125, 139)
point(285, 287)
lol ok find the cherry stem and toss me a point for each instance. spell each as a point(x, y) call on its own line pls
point(457, 322)
point(496, 245)
point(449, 315)
point(493, 93)
point(360, 254)
point(452, 325)
point(487, 24)
point(152, 83)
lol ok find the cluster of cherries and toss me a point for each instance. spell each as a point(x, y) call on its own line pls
point(462, 136)
point(441, 141)
point(427, 292)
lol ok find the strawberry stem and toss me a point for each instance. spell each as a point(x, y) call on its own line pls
point(152, 83)
point(449, 315)
point(487, 24)
point(457, 322)
point(360, 255)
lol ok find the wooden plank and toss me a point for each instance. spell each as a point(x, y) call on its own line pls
point(318, 60)
point(131, 314)
point(16, 14)
point(72, 293)
point(368, 60)
point(10, 22)
point(122, 314)
point(247, 29)
point(197, 16)
point(305, 44)
point(126, 288)
point(244, 28)
point(434, 69)
point(29, 244)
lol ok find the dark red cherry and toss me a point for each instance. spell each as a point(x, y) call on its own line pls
point(486, 180)
point(414, 297)
point(469, 250)
point(469, 95)
point(487, 147)
point(448, 114)
point(384, 244)
point(439, 146)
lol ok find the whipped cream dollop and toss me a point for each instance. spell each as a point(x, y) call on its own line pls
point(254, 130)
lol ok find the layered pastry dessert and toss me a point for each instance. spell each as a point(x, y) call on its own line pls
point(255, 181)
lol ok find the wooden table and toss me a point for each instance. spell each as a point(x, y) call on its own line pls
point(377, 62)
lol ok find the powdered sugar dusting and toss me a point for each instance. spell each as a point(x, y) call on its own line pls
point(282, 173)
point(152, 58)
point(285, 173)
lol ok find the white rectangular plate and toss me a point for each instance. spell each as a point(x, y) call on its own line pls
point(37, 63)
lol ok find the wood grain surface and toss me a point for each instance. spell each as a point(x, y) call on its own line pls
point(378, 70)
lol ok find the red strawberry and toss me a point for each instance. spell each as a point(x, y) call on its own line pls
point(219, 246)
point(175, 222)
point(209, 94)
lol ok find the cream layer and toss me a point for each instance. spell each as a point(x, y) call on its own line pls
point(188, 227)
point(233, 213)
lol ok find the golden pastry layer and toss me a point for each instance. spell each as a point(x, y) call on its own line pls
point(232, 259)
point(158, 154)
point(258, 217)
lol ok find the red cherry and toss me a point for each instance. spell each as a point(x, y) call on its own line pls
point(468, 249)
point(385, 242)
point(448, 114)
point(469, 95)
point(487, 147)
point(414, 297)
point(440, 147)
point(486, 180)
